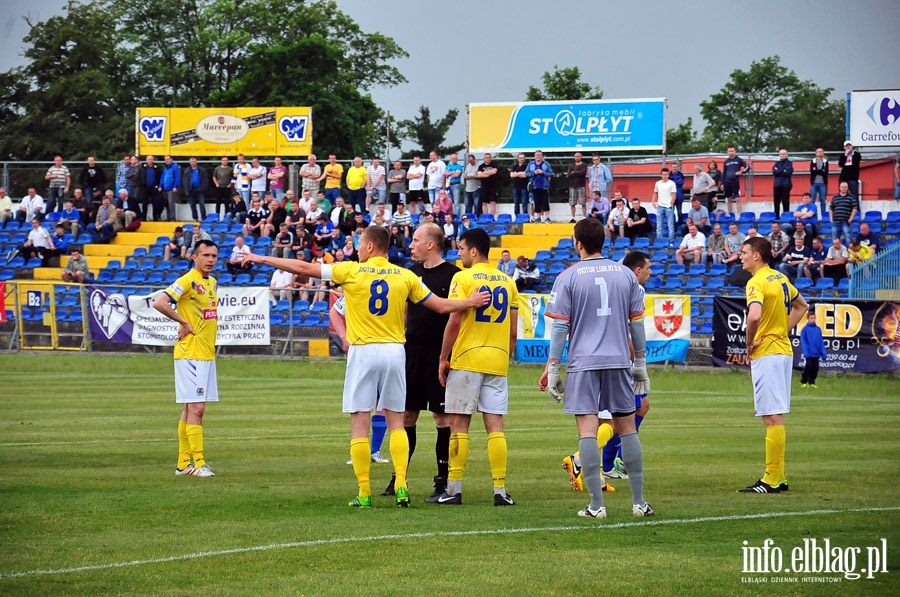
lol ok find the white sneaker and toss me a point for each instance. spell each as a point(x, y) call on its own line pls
point(204, 471)
point(188, 470)
point(588, 513)
point(349, 461)
point(642, 511)
point(377, 457)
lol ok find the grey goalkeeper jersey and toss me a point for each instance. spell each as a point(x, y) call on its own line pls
point(598, 298)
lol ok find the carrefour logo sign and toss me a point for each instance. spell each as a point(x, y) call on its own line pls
point(875, 118)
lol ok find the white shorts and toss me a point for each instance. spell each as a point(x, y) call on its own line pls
point(375, 378)
point(771, 377)
point(195, 381)
point(469, 392)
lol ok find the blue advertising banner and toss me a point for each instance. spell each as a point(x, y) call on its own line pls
point(588, 125)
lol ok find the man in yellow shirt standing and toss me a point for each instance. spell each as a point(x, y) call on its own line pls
point(476, 379)
point(195, 353)
point(331, 174)
point(375, 292)
point(774, 307)
point(357, 176)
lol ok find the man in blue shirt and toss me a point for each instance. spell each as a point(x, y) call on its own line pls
point(539, 173)
point(149, 178)
point(868, 238)
point(812, 346)
point(677, 177)
point(169, 182)
point(782, 171)
point(732, 169)
point(794, 259)
point(506, 264)
point(454, 172)
point(807, 213)
point(194, 182)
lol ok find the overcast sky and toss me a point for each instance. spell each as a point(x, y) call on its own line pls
point(681, 50)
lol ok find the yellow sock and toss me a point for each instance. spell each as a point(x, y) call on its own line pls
point(604, 434)
point(496, 449)
point(775, 440)
point(184, 446)
point(459, 456)
point(400, 455)
point(361, 454)
point(194, 434)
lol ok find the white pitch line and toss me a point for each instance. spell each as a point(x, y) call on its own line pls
point(436, 534)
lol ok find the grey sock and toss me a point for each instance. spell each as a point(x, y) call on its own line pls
point(454, 487)
point(590, 468)
point(633, 457)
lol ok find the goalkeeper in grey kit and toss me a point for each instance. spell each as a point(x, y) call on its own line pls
point(593, 302)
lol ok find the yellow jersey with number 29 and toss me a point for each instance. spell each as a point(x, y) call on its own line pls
point(483, 341)
point(196, 301)
point(774, 292)
point(375, 293)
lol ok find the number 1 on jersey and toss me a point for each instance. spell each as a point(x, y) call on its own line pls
point(604, 309)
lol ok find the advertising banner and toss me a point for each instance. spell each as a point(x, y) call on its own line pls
point(875, 118)
point(243, 316)
point(860, 336)
point(2, 302)
point(586, 125)
point(199, 132)
point(667, 322)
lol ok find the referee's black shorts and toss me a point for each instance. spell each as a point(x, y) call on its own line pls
point(423, 388)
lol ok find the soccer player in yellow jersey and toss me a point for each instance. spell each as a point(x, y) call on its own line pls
point(195, 353)
point(476, 378)
point(375, 292)
point(774, 307)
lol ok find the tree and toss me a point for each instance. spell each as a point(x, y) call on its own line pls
point(768, 106)
point(684, 139)
point(563, 84)
point(428, 135)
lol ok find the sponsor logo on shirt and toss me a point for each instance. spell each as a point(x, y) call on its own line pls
point(198, 288)
point(210, 314)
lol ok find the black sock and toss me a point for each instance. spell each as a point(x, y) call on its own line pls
point(411, 435)
point(442, 451)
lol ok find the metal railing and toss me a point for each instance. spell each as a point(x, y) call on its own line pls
point(878, 278)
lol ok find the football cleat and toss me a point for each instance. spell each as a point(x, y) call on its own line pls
point(188, 470)
point(402, 497)
point(607, 487)
point(440, 485)
point(763, 487)
point(575, 476)
point(203, 471)
point(389, 490)
point(449, 500)
point(588, 513)
point(361, 502)
point(503, 500)
point(642, 511)
point(377, 457)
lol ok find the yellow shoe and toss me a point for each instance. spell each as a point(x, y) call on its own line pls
point(575, 476)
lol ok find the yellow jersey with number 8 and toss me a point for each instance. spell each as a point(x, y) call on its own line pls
point(774, 292)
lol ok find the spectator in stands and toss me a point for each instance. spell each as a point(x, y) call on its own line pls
point(677, 177)
point(237, 255)
point(255, 222)
point(92, 177)
point(817, 256)
point(491, 183)
point(450, 232)
point(69, 218)
point(793, 261)
point(281, 244)
point(313, 212)
point(386, 218)
point(859, 252)
point(277, 215)
point(526, 275)
point(716, 247)
point(782, 171)
point(124, 206)
point(169, 183)
point(835, 264)
point(868, 238)
point(697, 215)
point(618, 218)
point(281, 286)
point(802, 233)
point(198, 235)
point(506, 264)
point(751, 232)
point(39, 241)
point(31, 206)
point(194, 182)
point(733, 168)
point(539, 173)
point(121, 170)
point(296, 217)
point(638, 222)
point(276, 177)
point(302, 243)
point(324, 228)
point(844, 207)
point(257, 177)
point(402, 219)
point(356, 185)
point(336, 243)
point(693, 245)
point(466, 225)
point(712, 168)
point(473, 184)
point(443, 205)
point(818, 179)
point(807, 213)
point(396, 180)
point(177, 245)
point(704, 188)
point(76, 269)
point(599, 177)
point(106, 226)
point(663, 200)
point(599, 207)
point(733, 241)
point(60, 246)
point(520, 185)
point(780, 242)
point(149, 176)
point(850, 169)
point(237, 208)
point(6, 208)
point(310, 173)
point(577, 177)
point(221, 180)
point(60, 181)
point(349, 249)
point(376, 185)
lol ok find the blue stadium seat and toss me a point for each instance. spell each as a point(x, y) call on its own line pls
point(18, 262)
point(486, 219)
point(724, 218)
point(697, 269)
point(660, 243)
point(787, 218)
point(672, 284)
point(156, 252)
point(139, 252)
point(452, 255)
point(803, 283)
point(695, 312)
point(260, 280)
point(563, 255)
point(85, 239)
point(504, 219)
point(556, 269)
point(147, 265)
point(138, 277)
point(766, 217)
point(319, 307)
point(676, 269)
point(173, 277)
point(156, 278)
point(748, 217)
point(242, 280)
point(542, 255)
point(104, 277)
point(301, 306)
point(892, 228)
point(706, 328)
point(282, 305)
point(892, 217)
point(824, 284)
point(33, 263)
point(824, 229)
point(225, 279)
point(10, 315)
point(499, 231)
point(522, 219)
point(622, 243)
point(658, 257)
point(18, 239)
point(872, 217)
point(295, 319)
point(276, 318)
point(618, 255)
point(7, 274)
point(131, 265)
point(211, 217)
point(164, 266)
point(694, 284)
point(653, 283)
point(68, 302)
point(657, 269)
point(565, 243)
point(707, 313)
point(843, 284)
point(642, 242)
point(869, 285)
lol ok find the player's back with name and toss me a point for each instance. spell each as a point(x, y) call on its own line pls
point(597, 297)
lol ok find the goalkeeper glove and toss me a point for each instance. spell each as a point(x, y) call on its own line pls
point(554, 382)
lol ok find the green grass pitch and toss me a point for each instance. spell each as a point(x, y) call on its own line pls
point(89, 504)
